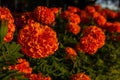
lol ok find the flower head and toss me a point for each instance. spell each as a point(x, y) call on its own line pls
point(93, 38)
point(99, 19)
point(87, 44)
point(96, 33)
point(90, 10)
point(71, 17)
point(85, 18)
point(73, 28)
point(55, 10)
point(38, 77)
point(73, 9)
point(112, 27)
point(44, 15)
point(22, 66)
point(80, 76)
point(38, 41)
point(5, 14)
point(70, 52)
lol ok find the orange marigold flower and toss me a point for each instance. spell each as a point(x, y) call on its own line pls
point(5, 14)
point(71, 17)
point(65, 14)
point(74, 18)
point(116, 26)
point(108, 27)
point(80, 76)
point(99, 19)
point(22, 66)
point(112, 27)
point(73, 9)
point(97, 7)
point(96, 33)
point(73, 28)
point(112, 14)
point(55, 10)
point(38, 77)
point(87, 44)
point(44, 15)
point(85, 18)
point(70, 52)
point(103, 12)
point(38, 41)
point(90, 10)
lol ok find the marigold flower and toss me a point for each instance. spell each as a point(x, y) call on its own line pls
point(73, 28)
point(71, 17)
point(99, 19)
point(116, 26)
point(90, 10)
point(73, 9)
point(112, 14)
point(38, 77)
point(55, 10)
point(85, 18)
point(65, 14)
point(87, 44)
point(44, 15)
point(80, 76)
point(70, 52)
point(74, 18)
point(5, 14)
point(97, 7)
point(93, 39)
point(112, 27)
point(22, 66)
point(96, 33)
point(38, 41)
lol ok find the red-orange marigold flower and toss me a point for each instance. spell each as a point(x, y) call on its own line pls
point(73, 9)
point(87, 44)
point(38, 77)
point(85, 18)
point(70, 52)
point(96, 33)
point(38, 41)
point(5, 14)
point(112, 27)
point(97, 7)
point(71, 17)
point(99, 19)
point(44, 15)
point(90, 10)
point(112, 14)
point(103, 12)
point(80, 76)
point(55, 10)
point(22, 66)
point(74, 18)
point(73, 28)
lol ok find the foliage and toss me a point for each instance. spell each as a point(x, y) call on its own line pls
point(102, 65)
point(9, 53)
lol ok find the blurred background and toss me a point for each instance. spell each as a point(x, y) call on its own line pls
point(28, 5)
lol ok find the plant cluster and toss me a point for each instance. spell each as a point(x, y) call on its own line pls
point(57, 44)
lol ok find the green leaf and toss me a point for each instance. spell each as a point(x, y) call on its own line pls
point(3, 30)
